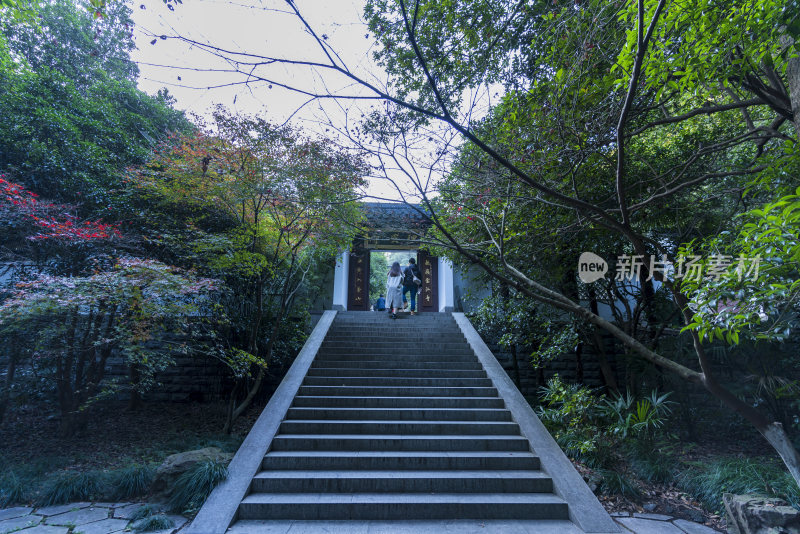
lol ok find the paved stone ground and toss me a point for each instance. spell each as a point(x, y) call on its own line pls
point(658, 524)
point(76, 518)
point(108, 518)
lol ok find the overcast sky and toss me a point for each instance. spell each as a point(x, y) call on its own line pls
point(196, 78)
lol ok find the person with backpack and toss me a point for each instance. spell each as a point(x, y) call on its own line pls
point(412, 279)
point(394, 293)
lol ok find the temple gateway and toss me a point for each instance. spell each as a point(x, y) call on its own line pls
point(394, 227)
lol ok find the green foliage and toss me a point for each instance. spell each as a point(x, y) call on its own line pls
point(194, 486)
point(643, 418)
point(590, 428)
point(74, 143)
point(708, 481)
point(378, 267)
point(153, 523)
point(132, 481)
point(72, 487)
point(510, 319)
point(756, 302)
point(571, 414)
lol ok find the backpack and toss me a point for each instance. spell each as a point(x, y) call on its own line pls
point(410, 276)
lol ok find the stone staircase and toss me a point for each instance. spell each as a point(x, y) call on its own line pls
point(397, 421)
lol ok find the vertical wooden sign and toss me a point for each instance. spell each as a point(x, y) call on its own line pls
point(358, 281)
point(429, 290)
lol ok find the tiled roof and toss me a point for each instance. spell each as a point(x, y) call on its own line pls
point(391, 216)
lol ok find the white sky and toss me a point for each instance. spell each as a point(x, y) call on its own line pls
point(265, 27)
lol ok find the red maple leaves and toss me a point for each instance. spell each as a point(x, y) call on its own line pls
point(50, 219)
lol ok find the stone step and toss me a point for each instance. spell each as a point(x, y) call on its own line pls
point(399, 414)
point(377, 332)
point(389, 391)
point(394, 364)
point(384, 321)
point(369, 336)
point(398, 356)
point(399, 428)
point(367, 442)
point(398, 373)
point(420, 481)
point(305, 401)
point(409, 526)
point(398, 460)
point(367, 506)
point(383, 381)
point(390, 346)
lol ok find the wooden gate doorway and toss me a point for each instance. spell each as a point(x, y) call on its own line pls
point(367, 277)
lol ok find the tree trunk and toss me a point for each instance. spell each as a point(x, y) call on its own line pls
point(251, 393)
point(11, 370)
point(793, 80)
point(609, 376)
point(135, 400)
point(780, 441)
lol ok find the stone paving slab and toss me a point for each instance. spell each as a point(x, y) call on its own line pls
point(93, 519)
point(691, 527)
point(126, 512)
point(105, 526)
point(61, 508)
point(78, 517)
point(17, 523)
point(178, 520)
point(657, 517)
point(648, 526)
point(45, 529)
point(18, 511)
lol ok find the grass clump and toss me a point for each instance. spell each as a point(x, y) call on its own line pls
point(132, 481)
point(653, 467)
point(144, 512)
point(194, 486)
point(70, 487)
point(12, 490)
point(614, 483)
point(708, 481)
point(153, 523)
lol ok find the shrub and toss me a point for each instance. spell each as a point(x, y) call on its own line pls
point(643, 419)
point(133, 481)
point(194, 486)
point(570, 414)
point(73, 487)
point(707, 482)
point(153, 523)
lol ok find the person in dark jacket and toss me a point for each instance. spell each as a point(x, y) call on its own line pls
point(409, 285)
point(380, 304)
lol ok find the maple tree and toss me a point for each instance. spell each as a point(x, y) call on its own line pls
point(131, 309)
point(52, 221)
point(286, 206)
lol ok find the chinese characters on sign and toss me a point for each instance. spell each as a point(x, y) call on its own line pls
point(427, 292)
point(359, 281)
point(629, 267)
